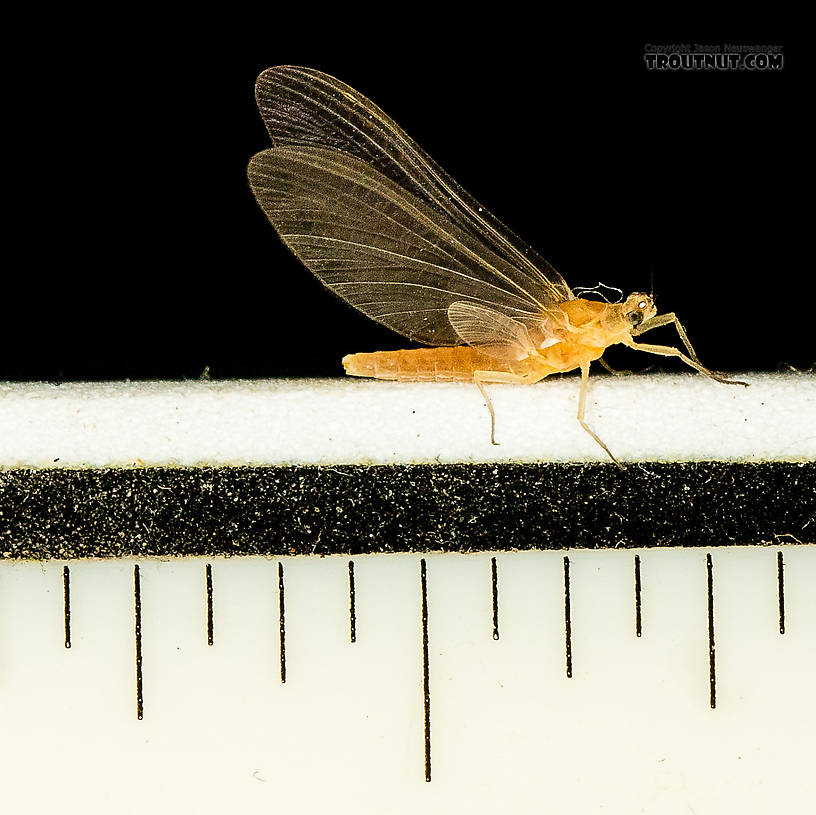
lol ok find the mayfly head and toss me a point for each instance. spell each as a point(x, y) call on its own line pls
point(637, 308)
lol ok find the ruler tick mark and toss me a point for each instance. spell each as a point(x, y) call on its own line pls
point(66, 602)
point(352, 607)
point(567, 617)
point(712, 676)
point(137, 613)
point(208, 573)
point(638, 621)
point(780, 577)
point(426, 681)
point(282, 624)
point(495, 585)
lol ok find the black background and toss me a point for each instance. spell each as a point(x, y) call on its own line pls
point(148, 257)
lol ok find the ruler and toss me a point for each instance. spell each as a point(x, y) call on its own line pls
point(671, 680)
point(442, 636)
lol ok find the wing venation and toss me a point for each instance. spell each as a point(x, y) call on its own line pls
point(378, 221)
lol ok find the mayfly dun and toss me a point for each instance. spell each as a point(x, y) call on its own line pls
point(389, 231)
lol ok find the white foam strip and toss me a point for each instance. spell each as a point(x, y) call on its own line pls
point(338, 421)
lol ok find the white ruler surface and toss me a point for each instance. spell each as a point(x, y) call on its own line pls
point(525, 687)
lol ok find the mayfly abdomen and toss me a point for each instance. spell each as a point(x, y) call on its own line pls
point(452, 364)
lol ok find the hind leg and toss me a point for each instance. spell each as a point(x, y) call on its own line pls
point(481, 378)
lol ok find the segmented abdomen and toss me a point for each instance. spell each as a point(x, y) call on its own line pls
point(454, 364)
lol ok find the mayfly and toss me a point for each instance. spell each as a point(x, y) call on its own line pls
point(389, 231)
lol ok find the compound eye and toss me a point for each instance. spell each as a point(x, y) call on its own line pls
point(642, 304)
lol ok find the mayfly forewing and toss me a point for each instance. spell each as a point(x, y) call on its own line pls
point(304, 107)
point(378, 246)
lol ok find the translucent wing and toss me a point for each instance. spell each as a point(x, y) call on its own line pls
point(492, 332)
point(377, 220)
point(378, 246)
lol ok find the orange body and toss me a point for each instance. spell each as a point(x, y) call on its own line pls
point(452, 364)
point(588, 327)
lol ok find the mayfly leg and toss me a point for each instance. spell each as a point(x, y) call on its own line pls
point(625, 372)
point(480, 385)
point(692, 359)
point(497, 378)
point(668, 319)
point(582, 408)
point(669, 351)
point(614, 371)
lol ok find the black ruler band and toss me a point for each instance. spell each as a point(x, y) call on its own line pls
point(160, 511)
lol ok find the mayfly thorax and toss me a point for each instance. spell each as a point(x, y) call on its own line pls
point(385, 228)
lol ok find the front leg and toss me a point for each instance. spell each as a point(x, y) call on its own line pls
point(671, 319)
point(669, 351)
point(667, 319)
